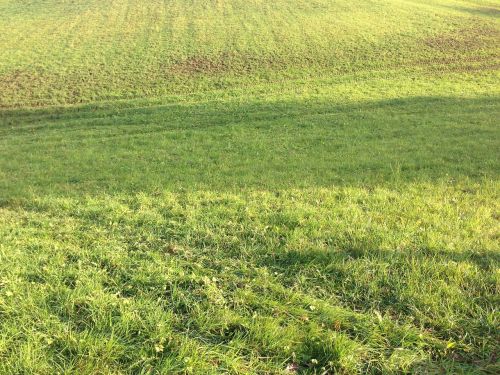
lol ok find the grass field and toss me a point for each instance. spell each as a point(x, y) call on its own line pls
point(249, 187)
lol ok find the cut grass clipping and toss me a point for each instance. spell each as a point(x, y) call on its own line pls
point(249, 187)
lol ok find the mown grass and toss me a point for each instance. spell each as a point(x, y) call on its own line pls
point(342, 137)
point(246, 187)
point(60, 52)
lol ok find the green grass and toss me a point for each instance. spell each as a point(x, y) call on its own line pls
point(359, 280)
point(249, 187)
point(60, 52)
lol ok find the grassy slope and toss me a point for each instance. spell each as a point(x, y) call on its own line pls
point(58, 52)
point(247, 187)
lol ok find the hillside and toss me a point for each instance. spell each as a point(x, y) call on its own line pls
point(66, 52)
point(249, 187)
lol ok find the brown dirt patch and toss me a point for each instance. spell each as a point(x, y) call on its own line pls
point(18, 79)
point(18, 85)
point(225, 62)
point(198, 64)
point(465, 40)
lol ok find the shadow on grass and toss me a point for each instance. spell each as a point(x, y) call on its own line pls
point(221, 146)
point(290, 260)
point(479, 11)
point(394, 293)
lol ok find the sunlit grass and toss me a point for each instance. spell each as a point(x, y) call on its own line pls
point(341, 279)
point(60, 52)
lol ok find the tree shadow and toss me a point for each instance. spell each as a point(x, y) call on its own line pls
point(387, 291)
point(129, 147)
point(484, 11)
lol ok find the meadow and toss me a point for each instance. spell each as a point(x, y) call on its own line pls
point(249, 187)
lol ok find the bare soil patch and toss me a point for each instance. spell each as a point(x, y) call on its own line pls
point(468, 39)
point(223, 63)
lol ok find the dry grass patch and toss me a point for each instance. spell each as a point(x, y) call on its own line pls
point(469, 39)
